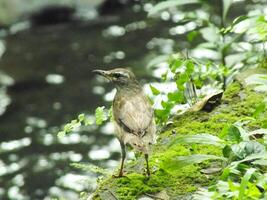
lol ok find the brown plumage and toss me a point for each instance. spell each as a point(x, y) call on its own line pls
point(133, 114)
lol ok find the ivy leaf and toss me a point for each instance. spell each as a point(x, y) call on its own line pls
point(154, 90)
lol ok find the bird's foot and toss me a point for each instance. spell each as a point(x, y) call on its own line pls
point(147, 175)
point(120, 175)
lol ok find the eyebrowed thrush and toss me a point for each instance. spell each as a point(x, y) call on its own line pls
point(132, 112)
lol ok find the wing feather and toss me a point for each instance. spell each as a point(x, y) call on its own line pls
point(134, 114)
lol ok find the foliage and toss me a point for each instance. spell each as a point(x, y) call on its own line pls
point(242, 155)
point(225, 42)
point(101, 115)
point(188, 75)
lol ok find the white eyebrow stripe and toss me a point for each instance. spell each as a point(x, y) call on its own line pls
point(123, 74)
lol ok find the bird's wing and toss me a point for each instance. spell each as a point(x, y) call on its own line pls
point(133, 114)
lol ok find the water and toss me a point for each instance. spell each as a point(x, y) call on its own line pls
point(46, 81)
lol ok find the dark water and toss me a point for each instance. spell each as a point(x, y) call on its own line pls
point(52, 83)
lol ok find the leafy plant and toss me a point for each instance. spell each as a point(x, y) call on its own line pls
point(242, 155)
point(101, 115)
point(224, 41)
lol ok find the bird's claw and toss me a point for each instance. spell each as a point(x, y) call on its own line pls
point(120, 175)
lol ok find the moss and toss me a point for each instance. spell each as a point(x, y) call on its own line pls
point(232, 91)
point(237, 103)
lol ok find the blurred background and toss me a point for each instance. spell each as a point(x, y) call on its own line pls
point(47, 52)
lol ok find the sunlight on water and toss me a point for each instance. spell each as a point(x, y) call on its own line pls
point(99, 154)
point(15, 144)
point(54, 79)
point(2, 48)
point(4, 100)
point(114, 55)
point(114, 31)
point(14, 193)
point(109, 96)
point(64, 194)
point(75, 181)
point(36, 122)
point(107, 129)
point(98, 90)
point(165, 15)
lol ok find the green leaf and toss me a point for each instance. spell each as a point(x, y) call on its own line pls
point(61, 134)
point(182, 161)
point(227, 150)
point(192, 35)
point(244, 149)
point(88, 122)
point(225, 174)
point(259, 109)
point(261, 131)
point(244, 183)
point(189, 67)
point(226, 6)
point(68, 127)
point(243, 133)
point(164, 76)
point(234, 134)
point(260, 162)
point(169, 4)
point(154, 90)
point(162, 114)
point(249, 158)
point(177, 96)
point(100, 115)
point(181, 79)
point(175, 64)
point(239, 19)
point(199, 139)
point(81, 117)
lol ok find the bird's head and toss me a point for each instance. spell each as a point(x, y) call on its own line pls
point(119, 76)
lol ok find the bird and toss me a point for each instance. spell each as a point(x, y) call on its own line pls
point(132, 113)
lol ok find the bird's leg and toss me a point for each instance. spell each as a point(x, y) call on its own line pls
point(123, 155)
point(147, 166)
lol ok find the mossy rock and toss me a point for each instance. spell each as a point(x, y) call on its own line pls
point(179, 183)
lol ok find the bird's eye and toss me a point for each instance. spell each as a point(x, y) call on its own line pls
point(117, 75)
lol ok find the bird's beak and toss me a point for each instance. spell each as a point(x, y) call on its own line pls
point(102, 73)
